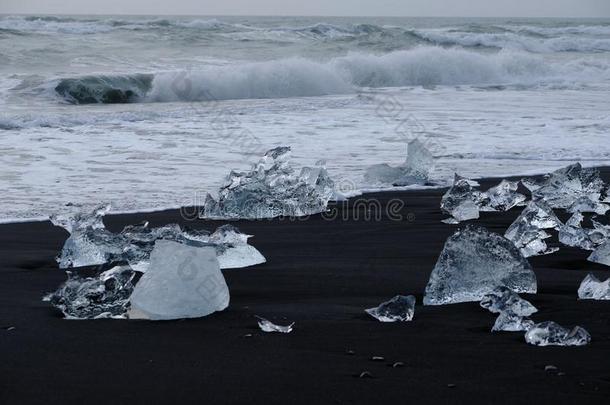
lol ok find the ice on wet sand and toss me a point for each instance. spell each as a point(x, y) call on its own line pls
point(591, 288)
point(461, 200)
point(473, 263)
point(502, 197)
point(527, 231)
point(181, 282)
point(552, 334)
point(415, 170)
point(270, 189)
point(400, 308)
point(512, 309)
point(601, 254)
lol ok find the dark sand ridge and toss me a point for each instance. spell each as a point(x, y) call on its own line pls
point(322, 275)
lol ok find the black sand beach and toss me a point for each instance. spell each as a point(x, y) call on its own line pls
point(320, 274)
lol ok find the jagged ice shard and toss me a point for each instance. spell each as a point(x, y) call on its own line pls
point(400, 308)
point(181, 282)
point(551, 334)
point(512, 309)
point(573, 234)
point(502, 197)
point(415, 170)
point(104, 296)
point(601, 254)
point(592, 288)
point(473, 263)
point(461, 201)
point(564, 187)
point(527, 231)
point(270, 189)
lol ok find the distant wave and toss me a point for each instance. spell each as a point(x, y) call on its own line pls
point(298, 77)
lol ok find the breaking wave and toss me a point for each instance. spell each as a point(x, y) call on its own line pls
point(298, 77)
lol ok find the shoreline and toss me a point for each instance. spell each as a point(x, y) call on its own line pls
point(320, 274)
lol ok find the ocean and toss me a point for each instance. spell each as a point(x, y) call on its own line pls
point(149, 113)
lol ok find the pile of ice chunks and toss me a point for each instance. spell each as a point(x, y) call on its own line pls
point(401, 308)
point(91, 244)
point(473, 263)
point(414, 171)
point(513, 311)
point(527, 231)
point(272, 188)
point(107, 293)
point(463, 200)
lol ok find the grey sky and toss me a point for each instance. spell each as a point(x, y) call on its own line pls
point(482, 8)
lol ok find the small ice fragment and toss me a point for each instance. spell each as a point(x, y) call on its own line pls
point(551, 334)
point(592, 288)
point(103, 296)
point(473, 263)
point(415, 170)
point(601, 254)
point(527, 231)
point(510, 322)
point(81, 218)
point(271, 189)
point(400, 308)
point(565, 186)
point(268, 326)
point(450, 221)
point(181, 282)
point(502, 299)
point(233, 249)
point(502, 197)
point(461, 200)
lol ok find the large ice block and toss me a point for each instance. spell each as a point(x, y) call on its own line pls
point(415, 170)
point(473, 263)
point(400, 308)
point(103, 296)
point(591, 288)
point(181, 282)
point(270, 189)
point(551, 334)
point(564, 187)
point(601, 254)
point(527, 231)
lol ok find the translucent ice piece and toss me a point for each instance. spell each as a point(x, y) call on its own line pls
point(473, 263)
point(103, 296)
point(551, 334)
point(90, 247)
point(527, 231)
point(565, 186)
point(233, 249)
point(80, 218)
point(181, 282)
point(592, 288)
point(601, 254)
point(415, 170)
point(268, 326)
point(510, 322)
point(502, 197)
point(400, 308)
point(502, 299)
point(271, 189)
point(461, 201)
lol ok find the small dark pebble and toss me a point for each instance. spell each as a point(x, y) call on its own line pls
point(365, 374)
point(550, 368)
point(398, 364)
point(11, 328)
point(561, 373)
point(350, 352)
point(450, 385)
point(248, 335)
point(377, 358)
